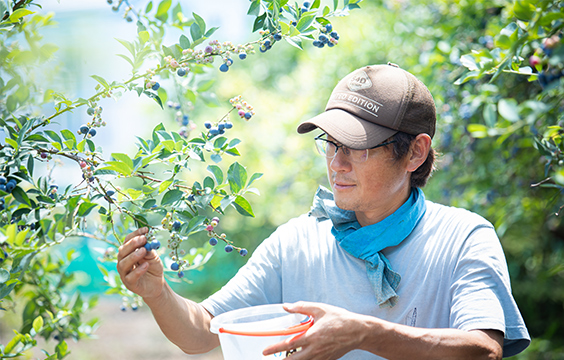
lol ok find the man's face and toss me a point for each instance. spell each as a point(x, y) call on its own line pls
point(373, 189)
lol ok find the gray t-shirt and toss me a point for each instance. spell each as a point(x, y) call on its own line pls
point(454, 275)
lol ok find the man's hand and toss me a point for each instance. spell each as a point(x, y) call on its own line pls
point(334, 333)
point(141, 271)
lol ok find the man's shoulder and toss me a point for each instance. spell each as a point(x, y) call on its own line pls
point(449, 214)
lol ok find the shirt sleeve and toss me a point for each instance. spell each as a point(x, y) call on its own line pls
point(481, 291)
point(258, 282)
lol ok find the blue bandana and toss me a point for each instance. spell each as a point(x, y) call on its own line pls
point(366, 243)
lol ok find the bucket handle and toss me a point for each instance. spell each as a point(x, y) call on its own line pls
point(295, 329)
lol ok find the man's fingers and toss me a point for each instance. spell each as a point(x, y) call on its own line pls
point(306, 308)
point(132, 243)
point(125, 265)
point(133, 276)
point(141, 231)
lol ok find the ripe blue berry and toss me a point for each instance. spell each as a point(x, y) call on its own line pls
point(213, 241)
point(317, 43)
point(181, 72)
point(243, 252)
point(323, 38)
point(174, 266)
point(277, 37)
point(223, 67)
point(176, 225)
point(185, 119)
point(214, 131)
point(90, 111)
point(262, 49)
point(181, 274)
point(304, 9)
point(134, 307)
point(294, 23)
point(3, 187)
point(306, 4)
point(208, 125)
point(221, 126)
point(92, 132)
point(155, 244)
point(248, 115)
point(3, 180)
point(11, 185)
point(329, 27)
point(147, 247)
point(84, 129)
point(334, 35)
point(228, 248)
point(191, 197)
point(242, 55)
point(108, 193)
point(156, 86)
point(228, 125)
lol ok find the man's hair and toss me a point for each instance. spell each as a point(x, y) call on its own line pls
point(401, 148)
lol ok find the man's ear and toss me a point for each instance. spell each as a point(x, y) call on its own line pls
point(418, 153)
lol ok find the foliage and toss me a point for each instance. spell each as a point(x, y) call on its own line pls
point(120, 192)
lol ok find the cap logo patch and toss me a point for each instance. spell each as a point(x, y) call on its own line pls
point(359, 82)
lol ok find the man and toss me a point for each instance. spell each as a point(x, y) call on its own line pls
point(383, 273)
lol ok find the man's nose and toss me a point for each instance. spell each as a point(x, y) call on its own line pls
point(340, 162)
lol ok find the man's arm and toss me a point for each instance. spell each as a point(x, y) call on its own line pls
point(183, 321)
point(337, 331)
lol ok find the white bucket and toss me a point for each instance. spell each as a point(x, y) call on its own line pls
point(245, 333)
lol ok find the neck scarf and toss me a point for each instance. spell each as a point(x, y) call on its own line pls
point(367, 242)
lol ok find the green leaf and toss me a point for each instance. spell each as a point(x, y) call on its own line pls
point(12, 143)
point(217, 173)
point(478, 130)
point(508, 109)
point(123, 158)
point(490, 115)
point(524, 10)
point(254, 177)
point(201, 23)
point(306, 20)
point(254, 9)
point(295, 41)
point(53, 135)
point(243, 206)
point(171, 196)
point(126, 59)
point(195, 31)
point(21, 196)
point(38, 324)
point(101, 80)
point(184, 42)
point(162, 10)
point(19, 13)
point(85, 208)
point(237, 177)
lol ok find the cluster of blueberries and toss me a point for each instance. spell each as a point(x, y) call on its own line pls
point(327, 37)
point(219, 129)
point(88, 131)
point(7, 185)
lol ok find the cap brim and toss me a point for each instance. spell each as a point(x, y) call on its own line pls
point(348, 129)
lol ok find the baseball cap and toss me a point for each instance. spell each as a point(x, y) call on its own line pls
point(373, 103)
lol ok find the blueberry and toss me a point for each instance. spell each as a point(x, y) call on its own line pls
point(123, 308)
point(176, 225)
point(147, 247)
point(221, 126)
point(334, 35)
point(277, 37)
point(248, 115)
point(90, 111)
point(243, 252)
point(306, 4)
point(323, 38)
point(155, 244)
point(134, 307)
point(228, 248)
point(267, 43)
point(156, 86)
point(174, 266)
point(181, 274)
point(330, 44)
point(110, 193)
point(84, 129)
point(92, 132)
point(191, 197)
point(223, 67)
point(170, 104)
point(304, 9)
point(214, 131)
point(10, 186)
point(181, 72)
point(242, 56)
point(3, 180)
point(177, 106)
point(208, 125)
point(213, 241)
point(185, 120)
point(329, 27)
point(262, 49)
point(294, 23)
point(317, 43)
point(228, 125)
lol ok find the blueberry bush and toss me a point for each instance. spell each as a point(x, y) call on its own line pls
point(119, 192)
